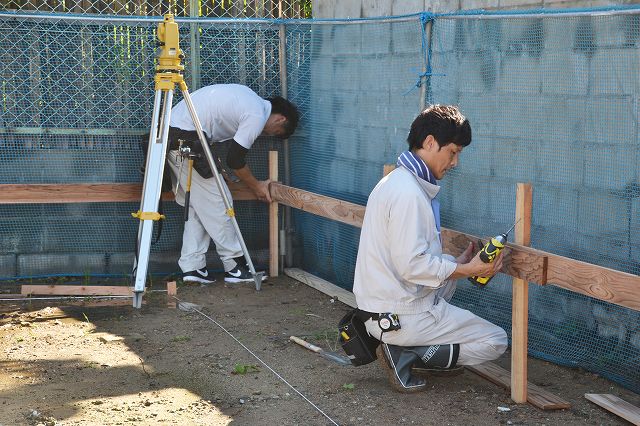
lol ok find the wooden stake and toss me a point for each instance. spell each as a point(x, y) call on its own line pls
point(520, 313)
point(388, 168)
point(273, 218)
point(172, 290)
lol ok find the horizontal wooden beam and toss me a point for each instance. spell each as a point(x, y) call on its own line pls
point(91, 193)
point(77, 290)
point(331, 208)
point(522, 262)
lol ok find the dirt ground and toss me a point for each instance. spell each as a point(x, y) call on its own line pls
point(82, 365)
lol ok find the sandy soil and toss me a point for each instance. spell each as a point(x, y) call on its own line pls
point(83, 365)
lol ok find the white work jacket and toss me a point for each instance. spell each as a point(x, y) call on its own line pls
point(400, 261)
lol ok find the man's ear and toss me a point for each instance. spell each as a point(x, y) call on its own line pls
point(429, 143)
point(279, 119)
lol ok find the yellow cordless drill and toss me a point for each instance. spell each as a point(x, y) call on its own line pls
point(488, 254)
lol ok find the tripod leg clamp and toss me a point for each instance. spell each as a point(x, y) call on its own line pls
point(231, 212)
point(148, 215)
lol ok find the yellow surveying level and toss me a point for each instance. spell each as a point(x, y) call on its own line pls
point(168, 74)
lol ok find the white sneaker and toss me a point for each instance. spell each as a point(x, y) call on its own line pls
point(198, 276)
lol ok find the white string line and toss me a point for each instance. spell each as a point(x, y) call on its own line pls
point(262, 362)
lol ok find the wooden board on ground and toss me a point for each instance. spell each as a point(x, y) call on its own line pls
point(536, 396)
point(323, 286)
point(77, 290)
point(616, 405)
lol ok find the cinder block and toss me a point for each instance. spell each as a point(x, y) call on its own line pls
point(610, 121)
point(374, 8)
point(347, 39)
point(50, 264)
point(565, 73)
point(599, 212)
point(478, 4)
point(346, 73)
point(349, 141)
point(343, 175)
point(634, 229)
point(519, 118)
point(615, 71)
point(376, 38)
point(406, 37)
point(439, 6)
point(520, 75)
point(481, 111)
point(345, 107)
point(120, 263)
point(375, 74)
point(611, 166)
point(479, 72)
point(373, 141)
point(8, 266)
point(406, 7)
point(445, 78)
point(403, 73)
point(555, 209)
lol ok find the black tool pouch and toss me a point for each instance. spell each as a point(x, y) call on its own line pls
point(359, 346)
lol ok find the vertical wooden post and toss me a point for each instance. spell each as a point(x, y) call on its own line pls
point(273, 218)
point(520, 314)
point(172, 290)
point(388, 168)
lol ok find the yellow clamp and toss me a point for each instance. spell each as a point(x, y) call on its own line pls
point(231, 212)
point(148, 215)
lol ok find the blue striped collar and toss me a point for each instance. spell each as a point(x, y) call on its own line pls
point(415, 165)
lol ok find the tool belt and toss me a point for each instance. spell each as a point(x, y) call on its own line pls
point(190, 138)
point(357, 343)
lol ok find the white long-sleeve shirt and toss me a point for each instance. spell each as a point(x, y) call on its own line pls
point(400, 261)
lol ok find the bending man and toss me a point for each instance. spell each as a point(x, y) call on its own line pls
point(226, 111)
point(401, 270)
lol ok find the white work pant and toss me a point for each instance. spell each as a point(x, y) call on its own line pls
point(207, 219)
point(479, 340)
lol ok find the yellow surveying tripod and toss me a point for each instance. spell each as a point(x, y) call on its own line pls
point(168, 74)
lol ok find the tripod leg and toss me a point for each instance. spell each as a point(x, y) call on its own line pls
point(151, 189)
point(257, 277)
point(187, 191)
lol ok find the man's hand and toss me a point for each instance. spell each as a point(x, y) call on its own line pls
point(467, 255)
point(261, 190)
point(476, 267)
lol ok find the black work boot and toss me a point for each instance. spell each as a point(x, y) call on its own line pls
point(437, 360)
point(397, 362)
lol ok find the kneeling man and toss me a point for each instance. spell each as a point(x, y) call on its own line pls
point(403, 281)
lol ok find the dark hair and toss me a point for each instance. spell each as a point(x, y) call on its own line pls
point(444, 122)
point(280, 105)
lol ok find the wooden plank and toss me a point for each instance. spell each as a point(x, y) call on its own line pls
point(520, 300)
point(536, 396)
point(601, 283)
point(91, 193)
point(331, 208)
point(274, 254)
point(323, 286)
point(75, 290)
point(528, 264)
point(616, 405)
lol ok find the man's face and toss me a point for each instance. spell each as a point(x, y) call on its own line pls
point(439, 160)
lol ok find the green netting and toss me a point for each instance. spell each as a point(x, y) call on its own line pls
point(552, 99)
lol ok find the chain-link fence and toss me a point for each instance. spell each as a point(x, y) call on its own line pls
point(192, 8)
